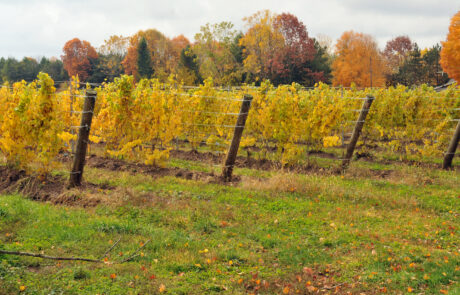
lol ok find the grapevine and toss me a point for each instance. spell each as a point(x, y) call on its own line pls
point(142, 121)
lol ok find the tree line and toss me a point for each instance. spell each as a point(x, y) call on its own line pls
point(276, 47)
point(28, 68)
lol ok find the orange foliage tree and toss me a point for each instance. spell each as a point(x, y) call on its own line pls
point(358, 61)
point(164, 52)
point(179, 43)
point(77, 58)
point(450, 53)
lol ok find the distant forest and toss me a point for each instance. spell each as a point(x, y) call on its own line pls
point(276, 47)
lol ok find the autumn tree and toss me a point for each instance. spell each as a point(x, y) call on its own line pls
point(186, 69)
point(130, 61)
point(358, 60)
point(396, 52)
point(290, 62)
point(115, 45)
point(179, 43)
point(176, 45)
point(213, 47)
point(164, 57)
point(450, 53)
point(277, 47)
point(261, 44)
point(77, 58)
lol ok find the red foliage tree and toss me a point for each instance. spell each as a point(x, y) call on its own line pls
point(289, 64)
point(76, 58)
point(397, 50)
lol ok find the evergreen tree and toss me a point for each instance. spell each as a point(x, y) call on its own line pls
point(106, 68)
point(11, 70)
point(29, 69)
point(2, 64)
point(420, 69)
point(144, 61)
point(433, 71)
point(236, 49)
point(189, 65)
point(318, 69)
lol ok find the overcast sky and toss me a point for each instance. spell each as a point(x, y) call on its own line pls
point(41, 27)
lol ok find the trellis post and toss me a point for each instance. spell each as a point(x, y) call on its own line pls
point(238, 132)
point(449, 155)
point(76, 174)
point(357, 131)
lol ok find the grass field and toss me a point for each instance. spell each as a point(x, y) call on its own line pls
point(272, 232)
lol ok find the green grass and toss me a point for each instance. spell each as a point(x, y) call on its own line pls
point(378, 234)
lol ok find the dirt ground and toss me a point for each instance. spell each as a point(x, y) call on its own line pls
point(54, 188)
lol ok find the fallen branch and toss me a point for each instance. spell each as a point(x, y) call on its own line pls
point(333, 287)
point(110, 249)
point(135, 253)
point(48, 257)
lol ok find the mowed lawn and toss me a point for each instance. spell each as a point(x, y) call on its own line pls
point(270, 233)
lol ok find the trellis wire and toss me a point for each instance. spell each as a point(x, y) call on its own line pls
point(205, 96)
point(213, 125)
point(204, 135)
point(207, 112)
point(82, 112)
point(78, 95)
point(359, 98)
point(86, 126)
point(431, 97)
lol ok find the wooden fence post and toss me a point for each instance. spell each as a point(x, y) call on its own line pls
point(72, 142)
point(233, 150)
point(357, 131)
point(82, 141)
point(449, 155)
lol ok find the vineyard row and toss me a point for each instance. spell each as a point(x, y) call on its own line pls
point(143, 121)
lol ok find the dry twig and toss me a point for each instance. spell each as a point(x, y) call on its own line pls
point(110, 249)
point(135, 253)
point(49, 257)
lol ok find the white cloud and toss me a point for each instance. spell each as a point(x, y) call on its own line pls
point(36, 28)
